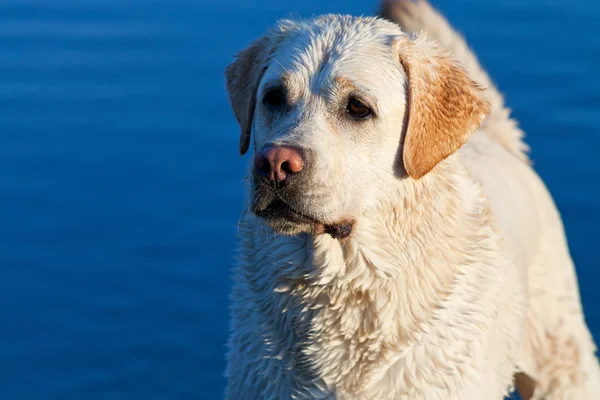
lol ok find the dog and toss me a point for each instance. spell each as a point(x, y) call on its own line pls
point(397, 243)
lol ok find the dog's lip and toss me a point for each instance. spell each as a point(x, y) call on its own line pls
point(281, 208)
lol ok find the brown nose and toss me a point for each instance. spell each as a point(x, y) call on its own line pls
point(278, 163)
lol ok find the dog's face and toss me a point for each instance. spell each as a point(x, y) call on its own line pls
point(337, 109)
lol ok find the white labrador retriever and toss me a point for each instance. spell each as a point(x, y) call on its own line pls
point(397, 244)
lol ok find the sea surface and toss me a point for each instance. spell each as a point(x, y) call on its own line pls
point(121, 183)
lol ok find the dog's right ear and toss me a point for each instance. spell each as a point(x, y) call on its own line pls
point(243, 77)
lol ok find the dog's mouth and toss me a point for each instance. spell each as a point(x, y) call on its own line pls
point(279, 209)
point(285, 219)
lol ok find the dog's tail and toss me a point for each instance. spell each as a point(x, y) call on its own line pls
point(419, 15)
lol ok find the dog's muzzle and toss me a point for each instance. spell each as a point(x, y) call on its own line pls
point(279, 174)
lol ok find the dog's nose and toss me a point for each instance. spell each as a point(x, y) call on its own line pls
point(278, 163)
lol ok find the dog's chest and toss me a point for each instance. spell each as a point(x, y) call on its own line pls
point(354, 332)
point(336, 322)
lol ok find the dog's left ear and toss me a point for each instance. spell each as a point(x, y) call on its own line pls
point(444, 105)
point(243, 77)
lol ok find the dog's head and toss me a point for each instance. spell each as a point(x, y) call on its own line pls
point(337, 109)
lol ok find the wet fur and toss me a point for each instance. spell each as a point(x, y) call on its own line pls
point(438, 292)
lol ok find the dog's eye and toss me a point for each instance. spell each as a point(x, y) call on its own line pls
point(274, 98)
point(357, 109)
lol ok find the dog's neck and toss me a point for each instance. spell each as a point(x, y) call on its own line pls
point(345, 311)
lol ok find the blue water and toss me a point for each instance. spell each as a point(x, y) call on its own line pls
point(120, 180)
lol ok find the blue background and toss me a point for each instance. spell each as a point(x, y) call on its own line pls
point(120, 180)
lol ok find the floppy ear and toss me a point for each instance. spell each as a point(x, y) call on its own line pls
point(243, 77)
point(444, 105)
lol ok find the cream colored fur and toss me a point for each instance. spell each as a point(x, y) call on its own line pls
point(418, 16)
point(449, 284)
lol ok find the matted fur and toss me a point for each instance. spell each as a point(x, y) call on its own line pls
point(439, 292)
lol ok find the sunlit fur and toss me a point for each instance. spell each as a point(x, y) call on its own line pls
point(448, 285)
